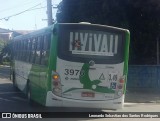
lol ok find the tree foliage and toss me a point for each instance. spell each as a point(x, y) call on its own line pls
point(5, 53)
point(141, 17)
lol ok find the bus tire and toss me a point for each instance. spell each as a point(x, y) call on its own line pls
point(29, 92)
point(30, 101)
point(13, 81)
point(13, 78)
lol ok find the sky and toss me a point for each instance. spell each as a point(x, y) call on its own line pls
point(32, 19)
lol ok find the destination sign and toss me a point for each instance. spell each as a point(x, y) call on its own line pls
point(93, 43)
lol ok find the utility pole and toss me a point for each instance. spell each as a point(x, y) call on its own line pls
point(49, 12)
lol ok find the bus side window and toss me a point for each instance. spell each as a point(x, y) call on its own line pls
point(38, 50)
point(45, 49)
point(15, 50)
point(29, 44)
point(22, 50)
point(17, 56)
point(19, 49)
point(33, 49)
point(25, 50)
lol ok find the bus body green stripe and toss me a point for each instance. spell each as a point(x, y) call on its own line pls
point(53, 56)
point(54, 47)
point(126, 57)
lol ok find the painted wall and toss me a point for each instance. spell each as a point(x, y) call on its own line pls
point(143, 76)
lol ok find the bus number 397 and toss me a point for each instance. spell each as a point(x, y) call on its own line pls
point(74, 72)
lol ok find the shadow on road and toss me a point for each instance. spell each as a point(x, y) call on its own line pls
point(4, 72)
point(142, 96)
point(13, 100)
point(7, 87)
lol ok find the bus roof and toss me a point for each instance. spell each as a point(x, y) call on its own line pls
point(43, 30)
point(50, 28)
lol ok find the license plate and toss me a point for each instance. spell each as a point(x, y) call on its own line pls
point(88, 94)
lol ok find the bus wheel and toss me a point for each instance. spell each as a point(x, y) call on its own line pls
point(30, 100)
point(13, 81)
point(13, 78)
point(29, 93)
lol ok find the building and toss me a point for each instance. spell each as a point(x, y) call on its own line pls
point(6, 34)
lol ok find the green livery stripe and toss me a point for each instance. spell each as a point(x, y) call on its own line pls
point(71, 89)
point(53, 55)
point(126, 57)
point(54, 47)
point(92, 84)
point(89, 84)
point(99, 89)
point(103, 90)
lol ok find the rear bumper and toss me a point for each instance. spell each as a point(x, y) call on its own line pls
point(53, 100)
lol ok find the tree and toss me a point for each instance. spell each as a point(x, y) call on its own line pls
point(141, 17)
point(94, 11)
point(6, 51)
point(144, 25)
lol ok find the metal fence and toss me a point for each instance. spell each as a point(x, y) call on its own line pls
point(143, 76)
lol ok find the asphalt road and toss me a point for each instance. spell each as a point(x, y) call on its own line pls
point(12, 100)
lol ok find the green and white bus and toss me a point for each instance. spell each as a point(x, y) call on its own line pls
point(73, 65)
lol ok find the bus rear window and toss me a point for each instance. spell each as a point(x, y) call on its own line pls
point(83, 43)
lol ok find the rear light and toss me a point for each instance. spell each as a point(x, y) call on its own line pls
point(56, 84)
point(121, 80)
point(121, 83)
point(55, 77)
point(120, 86)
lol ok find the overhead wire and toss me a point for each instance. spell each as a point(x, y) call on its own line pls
point(8, 17)
point(29, 9)
point(18, 5)
point(13, 7)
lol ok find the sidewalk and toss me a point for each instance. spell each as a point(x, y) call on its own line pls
point(142, 96)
